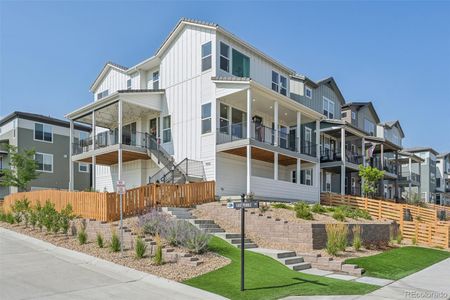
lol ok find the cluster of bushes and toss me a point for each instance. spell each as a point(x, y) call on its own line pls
point(336, 238)
point(340, 213)
point(39, 216)
point(175, 232)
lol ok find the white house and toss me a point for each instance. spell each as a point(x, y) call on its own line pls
point(206, 106)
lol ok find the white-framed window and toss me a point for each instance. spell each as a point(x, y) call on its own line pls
point(369, 127)
point(83, 167)
point(328, 182)
point(129, 84)
point(240, 64)
point(275, 80)
point(206, 118)
point(224, 57)
point(167, 134)
point(43, 132)
point(308, 92)
point(206, 56)
point(155, 78)
point(328, 108)
point(283, 85)
point(224, 119)
point(44, 162)
point(353, 115)
point(294, 176)
point(306, 177)
point(102, 94)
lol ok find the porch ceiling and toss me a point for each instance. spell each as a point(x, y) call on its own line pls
point(263, 155)
point(262, 104)
point(111, 158)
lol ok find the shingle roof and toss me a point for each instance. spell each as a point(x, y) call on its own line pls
point(41, 118)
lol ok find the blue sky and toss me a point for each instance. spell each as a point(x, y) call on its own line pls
point(396, 54)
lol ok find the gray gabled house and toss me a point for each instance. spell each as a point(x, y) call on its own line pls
point(49, 137)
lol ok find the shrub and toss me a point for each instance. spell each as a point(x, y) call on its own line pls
point(48, 215)
point(65, 217)
point(140, 248)
point(39, 215)
point(56, 223)
point(173, 233)
point(339, 214)
point(33, 218)
point(82, 236)
point(153, 222)
point(357, 230)
point(263, 208)
point(318, 209)
point(2, 216)
point(100, 241)
point(303, 211)
point(282, 205)
point(336, 238)
point(197, 241)
point(115, 242)
point(158, 258)
point(10, 218)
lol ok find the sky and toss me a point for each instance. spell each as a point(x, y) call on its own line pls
point(395, 54)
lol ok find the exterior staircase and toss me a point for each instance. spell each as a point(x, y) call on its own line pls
point(290, 259)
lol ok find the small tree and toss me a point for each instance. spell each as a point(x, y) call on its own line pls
point(371, 177)
point(22, 168)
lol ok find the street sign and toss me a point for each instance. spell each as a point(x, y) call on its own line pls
point(250, 204)
point(121, 189)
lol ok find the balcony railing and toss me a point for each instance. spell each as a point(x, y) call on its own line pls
point(328, 155)
point(406, 178)
point(110, 138)
point(264, 134)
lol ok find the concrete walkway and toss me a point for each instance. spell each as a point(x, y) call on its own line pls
point(430, 283)
point(33, 269)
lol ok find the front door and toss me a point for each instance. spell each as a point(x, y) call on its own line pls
point(154, 128)
point(308, 140)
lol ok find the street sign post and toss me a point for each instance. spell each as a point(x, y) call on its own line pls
point(121, 190)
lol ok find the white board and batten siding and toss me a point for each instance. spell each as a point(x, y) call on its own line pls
point(186, 89)
point(113, 81)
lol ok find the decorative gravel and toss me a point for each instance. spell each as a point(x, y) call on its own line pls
point(174, 270)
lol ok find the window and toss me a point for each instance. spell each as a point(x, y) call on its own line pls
point(224, 57)
point(328, 108)
point(43, 132)
point(283, 85)
point(306, 177)
point(438, 182)
point(206, 118)
point(241, 64)
point(294, 176)
point(167, 135)
point(308, 92)
point(156, 80)
point(129, 84)
point(206, 56)
point(83, 167)
point(369, 127)
point(353, 115)
point(275, 79)
point(102, 94)
point(344, 115)
point(224, 119)
point(44, 162)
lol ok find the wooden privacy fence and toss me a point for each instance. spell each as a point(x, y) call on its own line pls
point(426, 228)
point(106, 206)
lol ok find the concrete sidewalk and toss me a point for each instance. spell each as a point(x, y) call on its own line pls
point(430, 283)
point(33, 269)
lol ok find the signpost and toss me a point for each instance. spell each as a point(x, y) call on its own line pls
point(121, 190)
point(242, 206)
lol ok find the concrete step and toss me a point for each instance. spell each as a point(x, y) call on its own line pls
point(213, 230)
point(203, 222)
point(286, 254)
point(300, 266)
point(248, 245)
point(184, 217)
point(292, 260)
point(238, 241)
point(204, 226)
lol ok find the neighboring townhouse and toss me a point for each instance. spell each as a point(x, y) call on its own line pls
point(409, 175)
point(428, 172)
point(49, 137)
point(443, 178)
point(206, 106)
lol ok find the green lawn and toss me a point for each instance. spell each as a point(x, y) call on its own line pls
point(399, 262)
point(267, 279)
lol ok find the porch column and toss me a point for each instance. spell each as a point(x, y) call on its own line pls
point(343, 161)
point(316, 177)
point(94, 136)
point(297, 172)
point(119, 124)
point(382, 156)
point(396, 194)
point(420, 183)
point(410, 176)
point(249, 112)
point(318, 140)
point(298, 132)
point(275, 165)
point(275, 122)
point(249, 168)
point(71, 183)
point(363, 150)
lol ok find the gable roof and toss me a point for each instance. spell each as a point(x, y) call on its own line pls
point(421, 149)
point(41, 118)
point(333, 85)
point(359, 105)
point(109, 65)
point(390, 124)
point(443, 154)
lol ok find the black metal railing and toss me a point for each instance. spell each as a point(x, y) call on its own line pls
point(327, 155)
point(354, 157)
